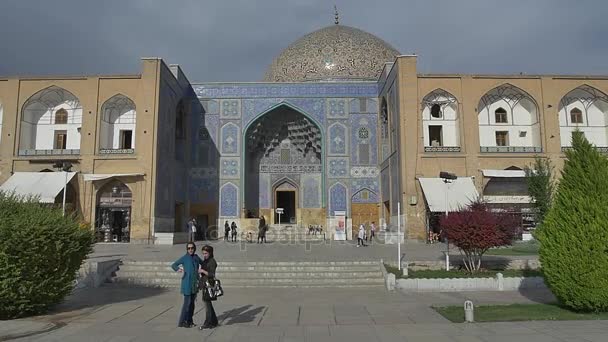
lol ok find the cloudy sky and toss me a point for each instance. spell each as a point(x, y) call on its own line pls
point(235, 40)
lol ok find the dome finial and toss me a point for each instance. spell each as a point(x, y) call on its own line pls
point(337, 16)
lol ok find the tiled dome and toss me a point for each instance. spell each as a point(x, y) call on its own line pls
point(332, 53)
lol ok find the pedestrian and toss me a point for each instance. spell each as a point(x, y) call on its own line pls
point(372, 231)
point(192, 229)
point(361, 236)
point(262, 230)
point(233, 231)
point(226, 231)
point(189, 266)
point(207, 270)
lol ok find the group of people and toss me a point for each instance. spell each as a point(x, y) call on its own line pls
point(196, 270)
point(230, 230)
point(362, 234)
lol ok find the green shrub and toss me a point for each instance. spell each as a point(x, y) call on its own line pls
point(574, 235)
point(40, 253)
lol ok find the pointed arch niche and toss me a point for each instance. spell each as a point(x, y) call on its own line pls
point(118, 121)
point(440, 123)
point(584, 109)
point(50, 123)
point(508, 121)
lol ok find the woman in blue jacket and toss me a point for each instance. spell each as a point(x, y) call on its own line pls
point(189, 266)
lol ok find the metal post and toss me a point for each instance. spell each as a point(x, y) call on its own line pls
point(399, 234)
point(447, 211)
point(65, 185)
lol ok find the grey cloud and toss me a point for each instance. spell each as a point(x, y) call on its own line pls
point(236, 40)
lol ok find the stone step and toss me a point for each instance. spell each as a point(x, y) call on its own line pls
point(242, 286)
point(266, 263)
point(223, 268)
point(254, 275)
point(256, 282)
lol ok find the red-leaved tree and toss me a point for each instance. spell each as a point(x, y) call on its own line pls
point(475, 229)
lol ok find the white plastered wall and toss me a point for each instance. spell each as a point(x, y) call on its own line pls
point(594, 126)
point(448, 121)
point(523, 117)
point(38, 126)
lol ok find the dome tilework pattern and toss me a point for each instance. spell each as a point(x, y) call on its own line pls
point(333, 53)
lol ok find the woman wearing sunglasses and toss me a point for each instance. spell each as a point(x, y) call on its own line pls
point(207, 271)
point(189, 266)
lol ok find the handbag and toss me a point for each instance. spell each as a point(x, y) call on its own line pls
point(212, 289)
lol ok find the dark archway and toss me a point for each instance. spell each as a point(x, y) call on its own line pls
point(282, 143)
point(113, 218)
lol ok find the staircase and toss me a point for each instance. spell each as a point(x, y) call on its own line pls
point(292, 233)
point(261, 274)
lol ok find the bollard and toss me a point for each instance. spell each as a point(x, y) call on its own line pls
point(501, 281)
point(468, 312)
point(447, 260)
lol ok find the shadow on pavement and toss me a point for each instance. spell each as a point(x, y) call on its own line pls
point(89, 299)
point(244, 314)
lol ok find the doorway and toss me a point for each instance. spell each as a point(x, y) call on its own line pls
point(286, 199)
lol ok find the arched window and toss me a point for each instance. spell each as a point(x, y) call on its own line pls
point(576, 116)
point(436, 111)
point(41, 114)
point(501, 115)
point(61, 117)
point(118, 123)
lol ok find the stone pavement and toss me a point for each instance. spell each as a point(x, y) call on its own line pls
point(113, 313)
point(311, 251)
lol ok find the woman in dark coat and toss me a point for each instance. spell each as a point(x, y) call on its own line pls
point(189, 266)
point(226, 231)
point(262, 230)
point(233, 228)
point(207, 270)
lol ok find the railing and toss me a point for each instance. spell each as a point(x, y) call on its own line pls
point(600, 149)
point(441, 149)
point(33, 152)
point(511, 149)
point(116, 151)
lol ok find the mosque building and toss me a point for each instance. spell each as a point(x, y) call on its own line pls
point(342, 124)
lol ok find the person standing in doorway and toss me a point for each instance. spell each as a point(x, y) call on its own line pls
point(207, 270)
point(361, 236)
point(226, 231)
point(189, 266)
point(233, 231)
point(372, 232)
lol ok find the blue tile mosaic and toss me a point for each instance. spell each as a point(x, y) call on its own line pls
point(337, 198)
point(230, 138)
point(229, 195)
point(338, 167)
point(236, 90)
point(229, 168)
point(231, 109)
point(364, 123)
point(337, 139)
point(253, 108)
point(311, 194)
point(337, 108)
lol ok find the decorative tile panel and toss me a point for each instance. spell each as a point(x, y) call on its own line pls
point(229, 195)
point(337, 198)
point(364, 171)
point(336, 108)
point(229, 168)
point(363, 128)
point(230, 139)
point(308, 90)
point(210, 106)
point(367, 183)
point(337, 167)
point(212, 123)
point(264, 198)
point(337, 139)
point(311, 191)
point(253, 108)
point(365, 196)
point(231, 109)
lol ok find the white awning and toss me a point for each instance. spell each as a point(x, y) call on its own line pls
point(461, 192)
point(504, 173)
point(45, 185)
point(101, 176)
